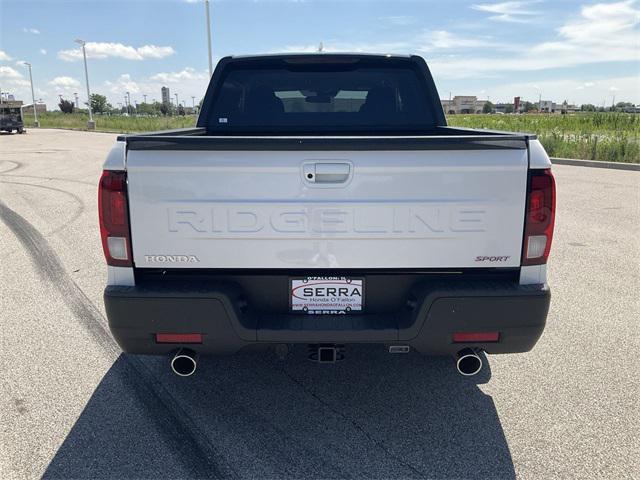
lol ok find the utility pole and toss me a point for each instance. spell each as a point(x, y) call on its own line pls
point(33, 98)
point(193, 100)
point(177, 104)
point(145, 98)
point(91, 125)
point(206, 7)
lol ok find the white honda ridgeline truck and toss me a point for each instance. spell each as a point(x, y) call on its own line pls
point(322, 199)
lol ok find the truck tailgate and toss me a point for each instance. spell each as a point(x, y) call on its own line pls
point(360, 209)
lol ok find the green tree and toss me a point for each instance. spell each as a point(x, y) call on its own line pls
point(587, 107)
point(66, 106)
point(508, 109)
point(98, 103)
point(487, 107)
point(145, 109)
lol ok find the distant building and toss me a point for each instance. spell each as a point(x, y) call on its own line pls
point(546, 106)
point(11, 102)
point(166, 96)
point(463, 104)
point(549, 106)
point(503, 107)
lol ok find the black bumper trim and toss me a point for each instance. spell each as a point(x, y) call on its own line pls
point(433, 312)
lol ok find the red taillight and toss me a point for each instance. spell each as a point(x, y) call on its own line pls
point(471, 337)
point(114, 218)
point(541, 208)
point(178, 338)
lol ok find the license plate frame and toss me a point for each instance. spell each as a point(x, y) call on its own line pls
point(328, 303)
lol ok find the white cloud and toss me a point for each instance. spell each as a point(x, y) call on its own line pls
point(186, 83)
point(513, 11)
point(35, 31)
point(43, 51)
point(4, 56)
point(604, 32)
point(117, 50)
point(12, 80)
point(9, 73)
point(124, 83)
point(443, 40)
point(432, 41)
point(611, 35)
point(585, 85)
point(152, 51)
point(174, 77)
point(64, 82)
point(332, 47)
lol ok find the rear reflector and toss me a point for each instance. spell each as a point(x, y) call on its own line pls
point(178, 338)
point(470, 337)
point(117, 247)
point(114, 218)
point(540, 216)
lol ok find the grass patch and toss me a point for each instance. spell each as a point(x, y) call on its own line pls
point(613, 137)
point(114, 123)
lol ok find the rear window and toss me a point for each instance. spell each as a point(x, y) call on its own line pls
point(321, 98)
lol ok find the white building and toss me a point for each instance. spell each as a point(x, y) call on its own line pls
point(463, 104)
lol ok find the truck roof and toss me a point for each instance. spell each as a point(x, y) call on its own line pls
point(316, 56)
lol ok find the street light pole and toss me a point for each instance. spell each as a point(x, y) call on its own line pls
point(33, 98)
point(91, 125)
point(177, 104)
point(206, 6)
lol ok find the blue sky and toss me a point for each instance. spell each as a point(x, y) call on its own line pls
point(562, 50)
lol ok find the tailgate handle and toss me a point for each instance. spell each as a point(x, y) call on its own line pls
point(331, 173)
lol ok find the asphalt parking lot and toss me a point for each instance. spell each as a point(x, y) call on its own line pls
point(74, 407)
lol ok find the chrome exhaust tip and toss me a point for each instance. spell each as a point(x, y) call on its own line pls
point(468, 362)
point(184, 362)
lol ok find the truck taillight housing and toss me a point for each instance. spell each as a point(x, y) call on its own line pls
point(540, 216)
point(114, 218)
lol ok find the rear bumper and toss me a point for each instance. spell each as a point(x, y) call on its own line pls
point(433, 312)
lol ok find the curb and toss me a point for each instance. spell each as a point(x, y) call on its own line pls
point(596, 164)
